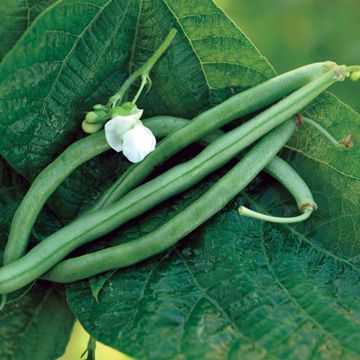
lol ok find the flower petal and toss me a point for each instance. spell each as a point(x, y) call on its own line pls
point(138, 143)
point(118, 126)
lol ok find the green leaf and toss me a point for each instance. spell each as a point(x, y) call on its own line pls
point(38, 325)
point(332, 174)
point(80, 60)
point(16, 17)
point(97, 283)
point(235, 288)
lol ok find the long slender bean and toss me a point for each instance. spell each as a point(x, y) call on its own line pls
point(238, 105)
point(96, 224)
point(43, 186)
point(288, 177)
point(260, 125)
point(93, 225)
point(81, 151)
point(280, 170)
point(181, 224)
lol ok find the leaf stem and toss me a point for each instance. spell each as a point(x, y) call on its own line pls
point(90, 349)
point(141, 88)
point(318, 127)
point(143, 70)
point(353, 68)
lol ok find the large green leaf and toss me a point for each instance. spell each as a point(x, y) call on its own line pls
point(332, 174)
point(16, 17)
point(235, 288)
point(84, 51)
point(38, 325)
point(239, 288)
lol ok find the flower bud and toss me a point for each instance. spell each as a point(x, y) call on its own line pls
point(91, 116)
point(355, 76)
point(91, 128)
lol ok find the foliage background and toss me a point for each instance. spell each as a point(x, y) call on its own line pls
point(291, 33)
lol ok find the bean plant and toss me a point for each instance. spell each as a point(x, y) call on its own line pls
point(166, 188)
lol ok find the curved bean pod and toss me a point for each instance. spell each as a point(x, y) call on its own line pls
point(50, 178)
point(222, 192)
point(56, 172)
point(43, 186)
point(237, 106)
point(93, 225)
point(289, 178)
point(281, 170)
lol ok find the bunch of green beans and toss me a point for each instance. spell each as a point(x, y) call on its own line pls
point(235, 107)
point(49, 252)
point(238, 105)
point(125, 199)
point(178, 227)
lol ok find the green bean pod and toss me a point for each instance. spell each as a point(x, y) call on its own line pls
point(218, 196)
point(51, 177)
point(43, 186)
point(259, 125)
point(96, 224)
point(281, 171)
point(236, 106)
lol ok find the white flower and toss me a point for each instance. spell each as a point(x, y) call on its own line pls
point(126, 133)
point(138, 143)
point(119, 125)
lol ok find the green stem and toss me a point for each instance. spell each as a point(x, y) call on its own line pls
point(141, 88)
point(210, 120)
point(90, 349)
point(144, 70)
point(244, 211)
point(353, 68)
point(322, 130)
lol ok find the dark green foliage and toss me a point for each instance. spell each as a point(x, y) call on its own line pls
point(37, 325)
point(235, 288)
point(16, 17)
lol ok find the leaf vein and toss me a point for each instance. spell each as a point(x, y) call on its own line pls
point(295, 301)
point(215, 303)
point(192, 47)
point(321, 162)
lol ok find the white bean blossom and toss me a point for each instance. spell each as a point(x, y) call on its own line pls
point(127, 133)
point(138, 143)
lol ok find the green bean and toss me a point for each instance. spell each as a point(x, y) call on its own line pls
point(43, 186)
point(93, 225)
point(55, 173)
point(289, 178)
point(238, 105)
point(219, 195)
point(281, 170)
point(251, 131)
point(83, 150)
